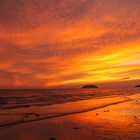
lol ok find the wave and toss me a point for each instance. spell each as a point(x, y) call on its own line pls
point(20, 116)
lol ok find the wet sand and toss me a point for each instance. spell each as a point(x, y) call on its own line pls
point(113, 121)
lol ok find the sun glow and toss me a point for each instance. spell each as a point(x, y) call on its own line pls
point(50, 49)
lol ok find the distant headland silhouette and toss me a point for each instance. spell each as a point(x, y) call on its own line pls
point(137, 86)
point(89, 86)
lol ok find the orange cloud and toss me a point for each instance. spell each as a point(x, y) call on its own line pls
point(69, 43)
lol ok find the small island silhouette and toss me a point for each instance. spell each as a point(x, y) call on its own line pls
point(89, 86)
point(137, 86)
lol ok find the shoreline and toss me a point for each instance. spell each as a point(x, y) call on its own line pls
point(61, 115)
point(65, 109)
point(112, 122)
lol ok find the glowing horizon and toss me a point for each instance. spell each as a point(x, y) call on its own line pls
point(69, 42)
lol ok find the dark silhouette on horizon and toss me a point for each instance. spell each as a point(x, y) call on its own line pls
point(90, 86)
point(137, 86)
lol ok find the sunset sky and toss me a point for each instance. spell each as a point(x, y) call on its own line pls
point(68, 43)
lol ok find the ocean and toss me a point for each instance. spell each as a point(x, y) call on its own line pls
point(26, 105)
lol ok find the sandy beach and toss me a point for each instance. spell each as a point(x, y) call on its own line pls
point(112, 118)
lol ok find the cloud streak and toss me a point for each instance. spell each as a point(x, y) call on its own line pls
point(68, 42)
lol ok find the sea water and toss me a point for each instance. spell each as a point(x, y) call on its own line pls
point(27, 105)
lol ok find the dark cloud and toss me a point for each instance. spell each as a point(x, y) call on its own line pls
point(28, 14)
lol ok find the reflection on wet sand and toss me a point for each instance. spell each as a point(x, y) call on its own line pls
point(22, 115)
point(115, 121)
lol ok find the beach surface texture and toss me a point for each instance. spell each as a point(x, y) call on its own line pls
point(112, 117)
